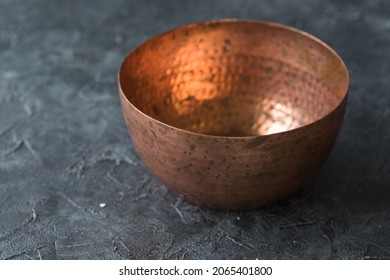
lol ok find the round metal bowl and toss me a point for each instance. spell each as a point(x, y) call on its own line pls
point(233, 114)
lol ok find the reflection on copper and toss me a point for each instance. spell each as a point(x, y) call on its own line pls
point(233, 114)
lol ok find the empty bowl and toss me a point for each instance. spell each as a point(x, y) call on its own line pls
point(233, 114)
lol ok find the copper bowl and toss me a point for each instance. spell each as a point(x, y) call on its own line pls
point(233, 114)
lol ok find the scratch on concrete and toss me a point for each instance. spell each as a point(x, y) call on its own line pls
point(179, 213)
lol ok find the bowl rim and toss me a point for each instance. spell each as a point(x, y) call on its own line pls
point(234, 20)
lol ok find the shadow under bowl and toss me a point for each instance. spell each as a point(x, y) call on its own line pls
point(233, 114)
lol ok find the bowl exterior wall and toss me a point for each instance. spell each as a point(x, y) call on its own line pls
point(232, 173)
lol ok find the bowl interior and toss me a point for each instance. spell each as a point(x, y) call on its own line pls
point(234, 78)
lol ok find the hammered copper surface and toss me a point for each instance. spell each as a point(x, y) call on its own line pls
point(233, 114)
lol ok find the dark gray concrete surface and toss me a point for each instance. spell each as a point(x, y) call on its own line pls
point(64, 148)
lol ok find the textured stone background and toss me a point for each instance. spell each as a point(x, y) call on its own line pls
point(64, 148)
